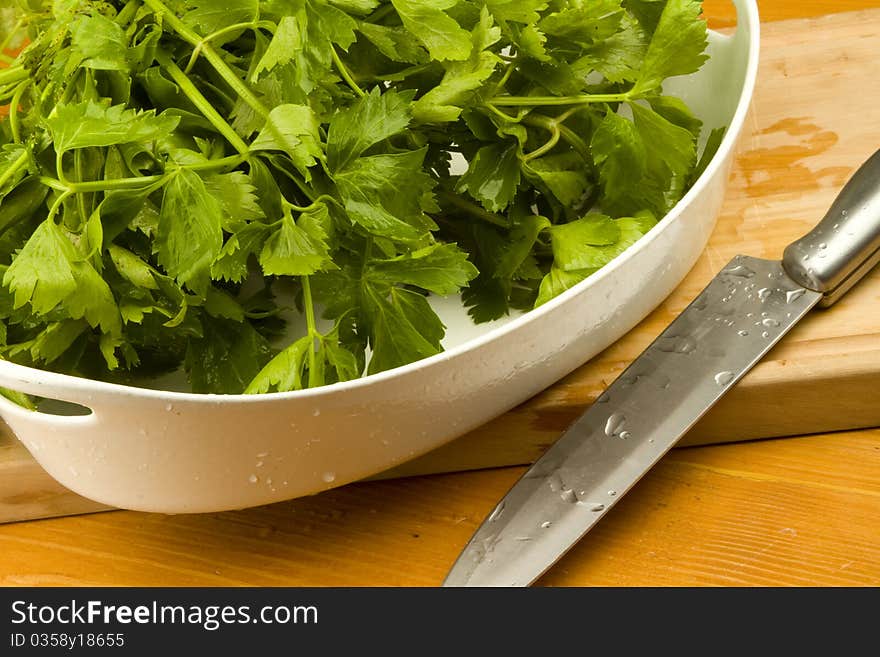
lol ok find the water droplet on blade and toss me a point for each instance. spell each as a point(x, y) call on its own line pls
point(497, 512)
point(546, 525)
point(764, 293)
point(597, 507)
point(794, 295)
point(740, 270)
point(723, 378)
point(769, 321)
point(615, 424)
point(625, 435)
point(569, 496)
point(742, 333)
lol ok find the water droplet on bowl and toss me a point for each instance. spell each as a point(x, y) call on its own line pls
point(329, 477)
point(253, 479)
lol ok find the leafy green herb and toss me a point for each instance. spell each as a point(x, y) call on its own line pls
point(177, 177)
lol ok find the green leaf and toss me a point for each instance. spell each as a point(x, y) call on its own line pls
point(462, 79)
point(100, 42)
point(564, 175)
point(573, 242)
point(237, 197)
point(493, 176)
point(396, 43)
point(440, 268)
point(284, 371)
point(519, 11)
point(366, 122)
point(671, 153)
point(558, 281)
point(520, 242)
point(403, 328)
point(297, 248)
point(55, 339)
point(49, 271)
point(595, 240)
point(41, 273)
point(226, 358)
point(376, 220)
point(584, 24)
point(285, 43)
point(293, 129)
point(620, 56)
point(232, 262)
point(441, 35)
point(190, 233)
point(98, 124)
point(677, 46)
point(676, 112)
point(620, 154)
point(209, 16)
point(359, 7)
point(713, 142)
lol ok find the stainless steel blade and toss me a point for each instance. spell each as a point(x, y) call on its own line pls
point(740, 315)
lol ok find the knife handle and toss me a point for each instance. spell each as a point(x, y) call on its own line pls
point(845, 245)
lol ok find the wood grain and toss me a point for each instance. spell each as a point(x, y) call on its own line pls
point(793, 512)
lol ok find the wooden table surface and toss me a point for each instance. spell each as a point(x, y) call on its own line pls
point(801, 511)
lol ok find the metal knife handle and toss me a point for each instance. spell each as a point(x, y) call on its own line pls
point(845, 245)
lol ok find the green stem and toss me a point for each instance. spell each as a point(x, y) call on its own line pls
point(14, 123)
point(546, 147)
point(13, 74)
point(473, 209)
point(582, 99)
point(207, 110)
point(555, 125)
point(310, 323)
point(211, 55)
point(250, 25)
point(345, 73)
point(380, 13)
point(137, 182)
point(80, 198)
point(127, 13)
point(14, 168)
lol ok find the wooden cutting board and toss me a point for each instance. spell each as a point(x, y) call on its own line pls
point(814, 120)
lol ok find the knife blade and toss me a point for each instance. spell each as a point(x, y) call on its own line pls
point(740, 315)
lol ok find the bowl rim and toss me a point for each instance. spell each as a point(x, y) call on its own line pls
point(66, 386)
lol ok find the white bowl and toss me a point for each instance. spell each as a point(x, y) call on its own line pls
point(177, 452)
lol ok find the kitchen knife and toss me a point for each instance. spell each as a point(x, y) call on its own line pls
point(735, 320)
